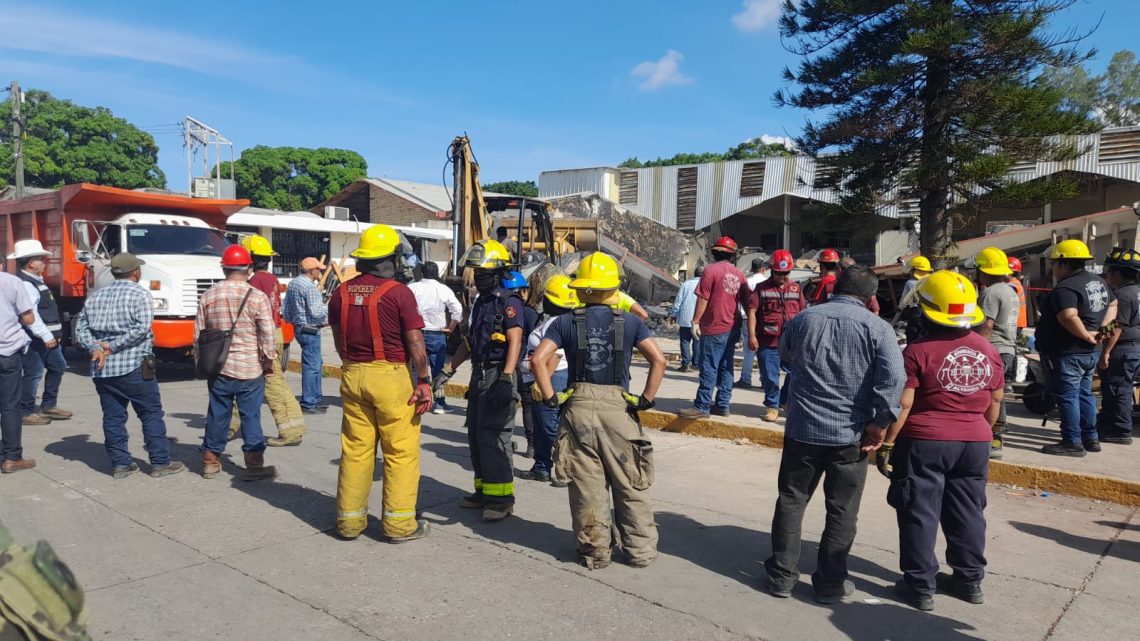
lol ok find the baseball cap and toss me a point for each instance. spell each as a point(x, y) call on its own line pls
point(311, 263)
point(758, 262)
point(125, 263)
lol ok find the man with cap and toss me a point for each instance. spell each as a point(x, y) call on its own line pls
point(234, 306)
point(15, 314)
point(759, 275)
point(282, 404)
point(716, 321)
point(1120, 360)
point(305, 309)
point(771, 305)
point(683, 307)
point(602, 450)
point(44, 358)
point(378, 332)
point(998, 302)
point(115, 328)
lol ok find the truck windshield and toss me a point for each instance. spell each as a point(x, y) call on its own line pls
point(172, 239)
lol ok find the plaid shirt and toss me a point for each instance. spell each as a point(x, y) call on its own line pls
point(847, 371)
point(252, 345)
point(304, 306)
point(119, 315)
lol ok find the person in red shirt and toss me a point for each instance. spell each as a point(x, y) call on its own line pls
point(828, 273)
point(937, 453)
point(1015, 283)
point(722, 288)
point(377, 329)
point(771, 305)
point(873, 302)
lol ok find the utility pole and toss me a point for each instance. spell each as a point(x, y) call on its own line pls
point(17, 137)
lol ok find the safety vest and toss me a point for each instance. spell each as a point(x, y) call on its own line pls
point(1022, 309)
point(45, 307)
point(777, 306)
point(370, 301)
point(582, 349)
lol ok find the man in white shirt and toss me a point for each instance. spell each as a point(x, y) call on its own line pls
point(441, 312)
point(759, 274)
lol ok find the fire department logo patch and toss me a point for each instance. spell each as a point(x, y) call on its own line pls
point(1098, 295)
point(965, 371)
point(511, 313)
point(731, 284)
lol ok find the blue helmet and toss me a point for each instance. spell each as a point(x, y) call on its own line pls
point(514, 280)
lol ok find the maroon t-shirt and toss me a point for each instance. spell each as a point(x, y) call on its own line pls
point(952, 379)
point(264, 281)
point(397, 311)
point(724, 287)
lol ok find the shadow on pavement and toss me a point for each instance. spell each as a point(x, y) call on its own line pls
point(1121, 549)
point(193, 421)
point(1120, 525)
point(445, 434)
point(80, 447)
point(890, 621)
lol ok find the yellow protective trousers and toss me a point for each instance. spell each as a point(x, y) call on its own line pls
point(604, 455)
point(282, 403)
point(376, 411)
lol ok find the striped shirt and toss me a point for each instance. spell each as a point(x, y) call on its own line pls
point(251, 348)
point(847, 371)
point(120, 315)
point(304, 306)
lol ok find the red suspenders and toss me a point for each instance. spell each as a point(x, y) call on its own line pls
point(372, 309)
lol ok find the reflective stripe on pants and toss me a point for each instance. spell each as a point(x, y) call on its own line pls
point(489, 429)
point(376, 411)
point(282, 404)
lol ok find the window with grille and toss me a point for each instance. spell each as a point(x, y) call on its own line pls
point(292, 246)
point(627, 188)
point(752, 179)
point(1120, 146)
point(687, 198)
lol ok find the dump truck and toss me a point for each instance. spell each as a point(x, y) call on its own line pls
point(84, 225)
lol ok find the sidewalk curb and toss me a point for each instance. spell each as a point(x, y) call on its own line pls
point(1089, 486)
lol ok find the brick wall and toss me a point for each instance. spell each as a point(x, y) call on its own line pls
point(390, 209)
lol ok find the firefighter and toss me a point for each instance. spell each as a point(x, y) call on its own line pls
point(1019, 287)
point(772, 304)
point(908, 306)
point(518, 284)
point(602, 450)
point(378, 331)
point(494, 343)
point(828, 273)
point(999, 304)
point(1120, 359)
point(282, 404)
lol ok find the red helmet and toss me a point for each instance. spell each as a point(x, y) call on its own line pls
point(725, 244)
point(236, 256)
point(1014, 264)
point(828, 256)
point(782, 261)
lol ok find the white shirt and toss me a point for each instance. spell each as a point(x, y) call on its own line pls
point(435, 300)
point(753, 279)
point(532, 342)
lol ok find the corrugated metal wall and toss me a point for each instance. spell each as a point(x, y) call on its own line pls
point(598, 180)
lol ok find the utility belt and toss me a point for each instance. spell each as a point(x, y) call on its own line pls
point(309, 330)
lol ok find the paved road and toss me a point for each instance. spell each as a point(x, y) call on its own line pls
point(183, 557)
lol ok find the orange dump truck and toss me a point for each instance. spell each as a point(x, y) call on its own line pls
point(84, 225)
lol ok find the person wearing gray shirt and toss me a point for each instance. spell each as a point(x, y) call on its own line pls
point(1000, 304)
point(15, 314)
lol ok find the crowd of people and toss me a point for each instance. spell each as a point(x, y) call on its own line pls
point(930, 415)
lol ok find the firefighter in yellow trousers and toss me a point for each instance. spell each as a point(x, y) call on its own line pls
point(377, 329)
point(602, 450)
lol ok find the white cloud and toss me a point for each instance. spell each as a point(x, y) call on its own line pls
point(662, 73)
point(757, 15)
point(787, 142)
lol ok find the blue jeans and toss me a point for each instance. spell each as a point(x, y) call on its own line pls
point(717, 355)
point(224, 393)
point(770, 367)
point(1116, 384)
point(1069, 378)
point(115, 394)
point(747, 362)
point(546, 425)
point(311, 365)
point(37, 361)
point(690, 346)
point(436, 345)
point(11, 430)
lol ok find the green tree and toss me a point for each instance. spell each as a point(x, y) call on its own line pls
point(751, 148)
point(933, 96)
point(294, 178)
point(1112, 97)
point(69, 143)
point(514, 188)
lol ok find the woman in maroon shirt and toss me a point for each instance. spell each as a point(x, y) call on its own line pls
point(937, 453)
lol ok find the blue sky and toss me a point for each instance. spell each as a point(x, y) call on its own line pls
point(537, 85)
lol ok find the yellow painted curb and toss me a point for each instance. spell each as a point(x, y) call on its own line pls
point(1089, 486)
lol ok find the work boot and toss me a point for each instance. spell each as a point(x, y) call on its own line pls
point(120, 473)
point(211, 464)
point(996, 447)
point(531, 475)
point(1092, 446)
point(772, 415)
point(778, 591)
point(742, 385)
point(594, 563)
point(692, 414)
point(256, 469)
point(35, 418)
point(283, 441)
point(830, 598)
point(683, 369)
point(55, 413)
point(497, 512)
point(720, 411)
point(472, 501)
point(233, 435)
point(173, 467)
point(1064, 448)
point(953, 585)
point(11, 467)
point(922, 602)
point(420, 533)
point(1116, 439)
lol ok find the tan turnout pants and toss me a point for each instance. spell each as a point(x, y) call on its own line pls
point(282, 404)
point(603, 454)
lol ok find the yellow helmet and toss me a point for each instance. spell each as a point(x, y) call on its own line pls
point(377, 241)
point(993, 261)
point(558, 292)
point(258, 245)
point(921, 263)
point(1071, 249)
point(487, 254)
point(597, 272)
point(950, 299)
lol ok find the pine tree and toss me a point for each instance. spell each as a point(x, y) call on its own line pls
point(934, 97)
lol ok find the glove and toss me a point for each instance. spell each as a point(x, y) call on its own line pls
point(439, 384)
point(536, 393)
point(883, 459)
point(696, 331)
point(556, 401)
point(502, 391)
point(639, 403)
